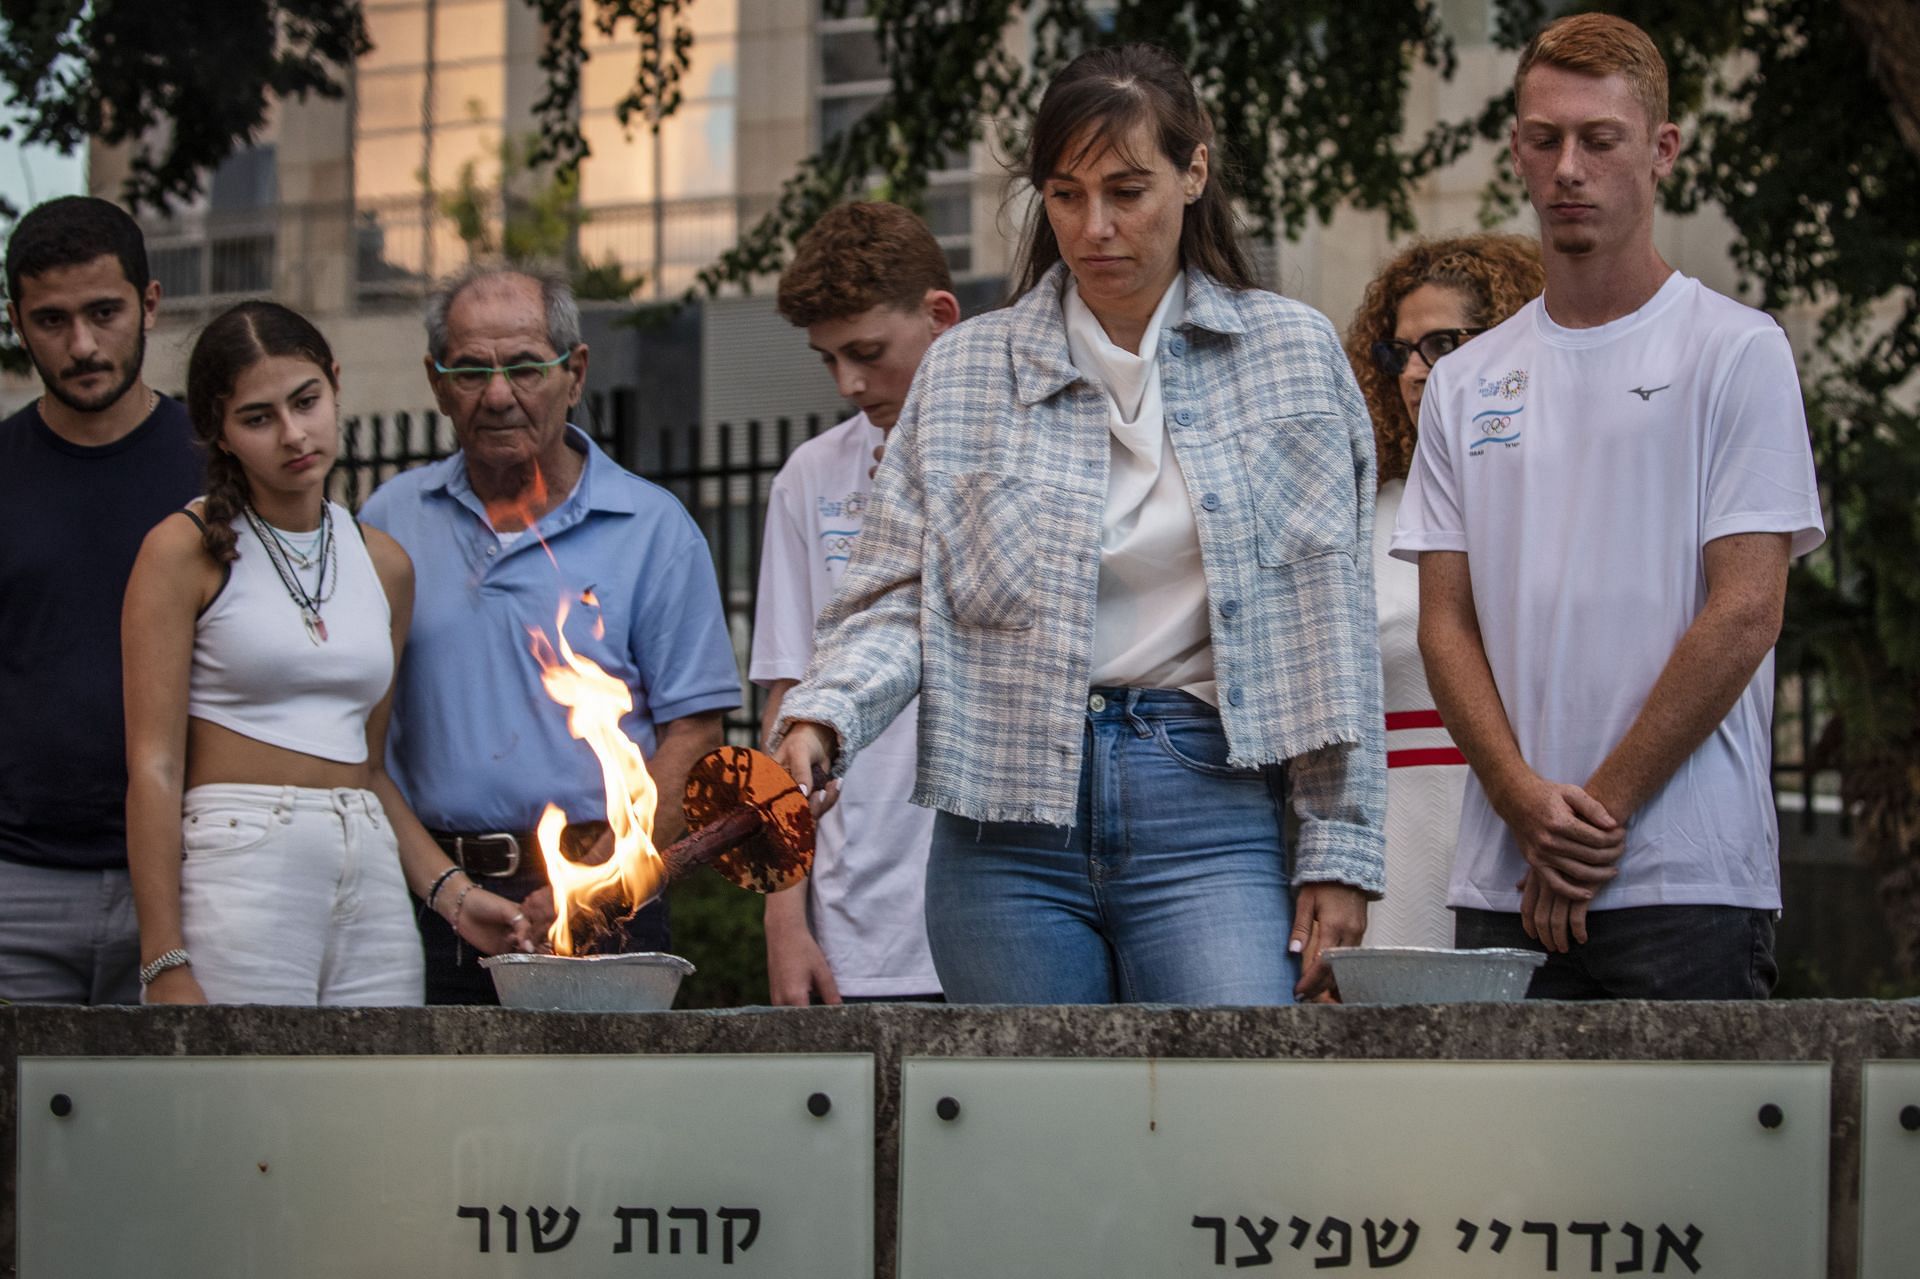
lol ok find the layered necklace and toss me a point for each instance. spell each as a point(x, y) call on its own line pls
point(288, 560)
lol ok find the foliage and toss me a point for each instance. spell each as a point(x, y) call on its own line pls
point(531, 214)
point(182, 91)
point(182, 94)
point(717, 926)
point(1312, 92)
point(1852, 616)
point(666, 44)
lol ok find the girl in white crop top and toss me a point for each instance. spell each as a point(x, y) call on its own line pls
point(271, 854)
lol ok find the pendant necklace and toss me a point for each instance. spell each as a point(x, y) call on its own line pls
point(283, 557)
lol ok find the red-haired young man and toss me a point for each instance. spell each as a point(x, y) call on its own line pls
point(1605, 497)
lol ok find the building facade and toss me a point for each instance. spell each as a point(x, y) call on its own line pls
point(346, 209)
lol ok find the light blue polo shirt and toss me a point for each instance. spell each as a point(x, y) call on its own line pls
point(476, 744)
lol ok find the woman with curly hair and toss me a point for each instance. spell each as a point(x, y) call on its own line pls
point(1429, 299)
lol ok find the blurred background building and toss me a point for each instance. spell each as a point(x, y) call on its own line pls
point(346, 209)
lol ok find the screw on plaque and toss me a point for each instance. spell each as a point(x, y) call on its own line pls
point(819, 1104)
point(947, 1108)
point(1910, 1118)
point(61, 1105)
point(1771, 1116)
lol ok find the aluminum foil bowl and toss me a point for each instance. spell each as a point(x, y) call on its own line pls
point(1422, 975)
point(638, 983)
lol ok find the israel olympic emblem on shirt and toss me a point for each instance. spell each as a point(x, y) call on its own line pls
point(1499, 425)
point(836, 543)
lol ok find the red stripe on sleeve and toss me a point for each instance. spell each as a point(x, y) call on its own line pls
point(1418, 758)
point(1397, 720)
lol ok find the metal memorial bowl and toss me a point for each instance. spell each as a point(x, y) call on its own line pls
point(639, 983)
point(1422, 975)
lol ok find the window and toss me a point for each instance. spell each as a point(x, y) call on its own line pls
point(852, 76)
point(246, 181)
point(853, 80)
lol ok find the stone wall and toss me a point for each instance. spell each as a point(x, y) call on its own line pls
point(1845, 1034)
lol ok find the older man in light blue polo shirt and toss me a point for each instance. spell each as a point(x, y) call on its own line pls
point(477, 746)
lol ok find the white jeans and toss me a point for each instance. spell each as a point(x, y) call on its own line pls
point(290, 895)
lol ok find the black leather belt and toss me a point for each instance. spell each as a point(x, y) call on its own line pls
point(495, 854)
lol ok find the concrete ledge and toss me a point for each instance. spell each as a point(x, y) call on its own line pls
point(1843, 1033)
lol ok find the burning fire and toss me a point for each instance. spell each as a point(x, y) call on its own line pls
point(595, 703)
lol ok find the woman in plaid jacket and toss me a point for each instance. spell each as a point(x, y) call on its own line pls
point(1119, 548)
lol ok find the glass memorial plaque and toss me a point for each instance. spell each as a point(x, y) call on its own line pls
point(1421, 1170)
point(1890, 1170)
point(192, 1168)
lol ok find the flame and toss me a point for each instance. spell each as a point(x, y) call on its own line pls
point(521, 505)
point(596, 702)
point(524, 506)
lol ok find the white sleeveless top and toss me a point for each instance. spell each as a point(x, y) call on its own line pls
point(257, 672)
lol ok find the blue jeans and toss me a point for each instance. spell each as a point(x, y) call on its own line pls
point(1170, 887)
point(1643, 952)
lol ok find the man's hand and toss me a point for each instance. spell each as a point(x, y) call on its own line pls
point(1325, 915)
point(493, 925)
point(807, 752)
point(1553, 920)
point(1567, 836)
point(540, 911)
point(797, 970)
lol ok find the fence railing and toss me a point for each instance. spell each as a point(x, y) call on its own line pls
point(720, 473)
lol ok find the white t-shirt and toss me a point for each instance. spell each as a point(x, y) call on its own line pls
point(1150, 627)
point(867, 894)
point(1583, 471)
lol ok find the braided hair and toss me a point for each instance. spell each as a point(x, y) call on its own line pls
point(232, 343)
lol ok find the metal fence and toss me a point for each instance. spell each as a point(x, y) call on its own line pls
point(1805, 782)
point(720, 473)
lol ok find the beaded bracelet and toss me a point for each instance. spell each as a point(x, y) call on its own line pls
point(445, 875)
point(454, 922)
point(459, 902)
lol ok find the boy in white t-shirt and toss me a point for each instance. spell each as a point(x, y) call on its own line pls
point(1606, 495)
point(871, 287)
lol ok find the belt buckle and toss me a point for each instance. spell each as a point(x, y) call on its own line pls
point(512, 847)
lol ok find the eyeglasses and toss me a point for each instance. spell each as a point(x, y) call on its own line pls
point(1390, 355)
point(521, 377)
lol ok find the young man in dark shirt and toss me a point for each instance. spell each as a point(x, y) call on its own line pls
point(85, 471)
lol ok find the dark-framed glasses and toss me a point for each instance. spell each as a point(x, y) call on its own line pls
point(472, 379)
point(1390, 355)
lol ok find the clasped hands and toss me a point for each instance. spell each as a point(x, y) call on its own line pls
point(1572, 846)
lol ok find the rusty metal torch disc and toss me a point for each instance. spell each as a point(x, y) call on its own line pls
point(781, 853)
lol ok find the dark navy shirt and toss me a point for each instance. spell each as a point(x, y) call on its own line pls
point(71, 521)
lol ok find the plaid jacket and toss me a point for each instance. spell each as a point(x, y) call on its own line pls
point(973, 581)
